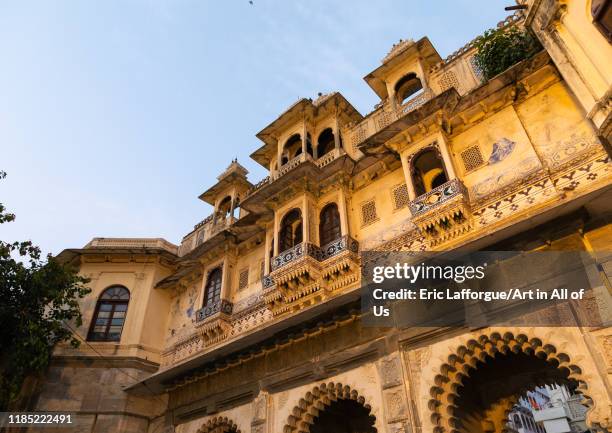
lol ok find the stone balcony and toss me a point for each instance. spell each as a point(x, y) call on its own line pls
point(213, 321)
point(443, 213)
point(307, 273)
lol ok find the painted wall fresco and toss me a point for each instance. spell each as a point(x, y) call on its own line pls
point(506, 150)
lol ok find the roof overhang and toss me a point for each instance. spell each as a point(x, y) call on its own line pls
point(73, 255)
point(233, 179)
point(421, 48)
point(303, 108)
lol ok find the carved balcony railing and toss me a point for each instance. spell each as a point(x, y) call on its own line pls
point(205, 221)
point(443, 213)
point(384, 116)
point(345, 243)
point(292, 164)
point(213, 321)
point(295, 253)
point(220, 224)
point(258, 186)
point(329, 157)
point(219, 306)
point(307, 273)
point(204, 230)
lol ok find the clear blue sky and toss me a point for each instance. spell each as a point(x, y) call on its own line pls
point(116, 114)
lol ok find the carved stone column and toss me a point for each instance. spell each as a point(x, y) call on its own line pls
point(306, 219)
point(228, 265)
point(336, 132)
point(276, 233)
point(260, 410)
point(344, 229)
point(448, 161)
point(394, 394)
point(268, 245)
point(406, 161)
point(304, 137)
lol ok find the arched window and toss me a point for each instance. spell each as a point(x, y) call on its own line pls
point(291, 230)
point(292, 148)
point(225, 207)
point(325, 142)
point(212, 290)
point(308, 147)
point(427, 171)
point(409, 85)
point(329, 224)
point(109, 315)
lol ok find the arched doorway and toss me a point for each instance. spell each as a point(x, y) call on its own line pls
point(478, 387)
point(219, 425)
point(331, 408)
point(344, 416)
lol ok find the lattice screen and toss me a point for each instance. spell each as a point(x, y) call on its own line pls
point(243, 279)
point(368, 213)
point(448, 80)
point(472, 158)
point(400, 196)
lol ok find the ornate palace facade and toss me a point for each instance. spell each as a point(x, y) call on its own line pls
point(249, 325)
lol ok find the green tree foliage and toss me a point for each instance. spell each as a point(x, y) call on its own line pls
point(500, 48)
point(38, 295)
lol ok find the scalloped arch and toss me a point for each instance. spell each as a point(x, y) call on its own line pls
point(445, 390)
point(321, 396)
point(219, 425)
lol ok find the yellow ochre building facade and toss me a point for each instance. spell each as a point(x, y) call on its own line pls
point(249, 325)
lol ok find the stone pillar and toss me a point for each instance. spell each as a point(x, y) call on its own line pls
point(304, 134)
point(408, 176)
point(394, 394)
point(215, 211)
point(421, 76)
point(448, 161)
point(279, 154)
point(225, 277)
point(267, 245)
point(344, 229)
point(336, 133)
point(305, 220)
point(276, 233)
point(232, 203)
point(260, 413)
